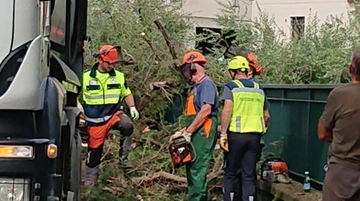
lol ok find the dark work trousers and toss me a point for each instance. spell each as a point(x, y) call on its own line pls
point(237, 185)
point(243, 156)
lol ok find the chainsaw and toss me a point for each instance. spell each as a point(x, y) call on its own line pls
point(181, 152)
point(275, 170)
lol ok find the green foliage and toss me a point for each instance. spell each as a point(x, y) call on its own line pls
point(119, 23)
point(321, 56)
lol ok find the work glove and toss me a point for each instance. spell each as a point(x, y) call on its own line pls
point(134, 113)
point(224, 145)
point(177, 134)
point(187, 136)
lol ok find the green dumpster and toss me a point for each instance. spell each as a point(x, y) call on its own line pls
point(295, 111)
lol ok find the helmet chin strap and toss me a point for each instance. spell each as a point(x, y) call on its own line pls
point(232, 76)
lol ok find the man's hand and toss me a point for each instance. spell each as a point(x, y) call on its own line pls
point(224, 145)
point(184, 134)
point(134, 113)
point(187, 136)
point(172, 137)
point(266, 128)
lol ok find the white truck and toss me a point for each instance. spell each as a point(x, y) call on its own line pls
point(41, 64)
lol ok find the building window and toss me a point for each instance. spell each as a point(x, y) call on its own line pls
point(297, 27)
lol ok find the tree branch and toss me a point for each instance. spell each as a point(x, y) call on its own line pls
point(167, 39)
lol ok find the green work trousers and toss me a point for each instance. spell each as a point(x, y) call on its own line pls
point(196, 172)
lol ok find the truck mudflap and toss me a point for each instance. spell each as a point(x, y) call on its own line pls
point(55, 186)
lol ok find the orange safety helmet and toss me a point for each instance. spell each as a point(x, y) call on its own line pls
point(187, 68)
point(193, 57)
point(109, 54)
point(254, 63)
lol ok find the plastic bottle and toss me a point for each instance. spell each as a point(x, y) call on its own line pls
point(326, 167)
point(307, 185)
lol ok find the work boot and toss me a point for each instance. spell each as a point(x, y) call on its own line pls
point(126, 164)
point(125, 147)
point(90, 176)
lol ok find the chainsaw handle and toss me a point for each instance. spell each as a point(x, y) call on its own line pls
point(275, 159)
point(194, 154)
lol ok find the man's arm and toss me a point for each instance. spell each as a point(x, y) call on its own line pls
point(207, 91)
point(129, 99)
point(266, 109)
point(266, 117)
point(324, 133)
point(327, 119)
point(227, 99)
point(266, 113)
point(200, 118)
point(128, 96)
point(225, 115)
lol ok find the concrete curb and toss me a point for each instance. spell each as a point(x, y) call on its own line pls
point(289, 192)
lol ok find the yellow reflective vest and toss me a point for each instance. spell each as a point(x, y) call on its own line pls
point(100, 90)
point(248, 109)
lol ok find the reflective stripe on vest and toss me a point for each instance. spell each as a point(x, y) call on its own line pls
point(98, 120)
point(248, 109)
point(97, 93)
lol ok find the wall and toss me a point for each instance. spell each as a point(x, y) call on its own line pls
point(203, 12)
point(282, 10)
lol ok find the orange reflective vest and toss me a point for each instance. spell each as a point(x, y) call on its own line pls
point(191, 110)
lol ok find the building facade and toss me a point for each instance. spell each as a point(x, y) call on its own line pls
point(293, 15)
point(289, 15)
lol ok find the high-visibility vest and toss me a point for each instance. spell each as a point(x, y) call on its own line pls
point(248, 109)
point(97, 93)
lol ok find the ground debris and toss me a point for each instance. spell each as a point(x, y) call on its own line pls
point(158, 176)
point(118, 191)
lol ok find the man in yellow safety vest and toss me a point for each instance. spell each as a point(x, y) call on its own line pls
point(243, 122)
point(103, 89)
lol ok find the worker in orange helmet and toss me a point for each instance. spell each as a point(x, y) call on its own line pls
point(255, 68)
point(201, 122)
point(103, 89)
